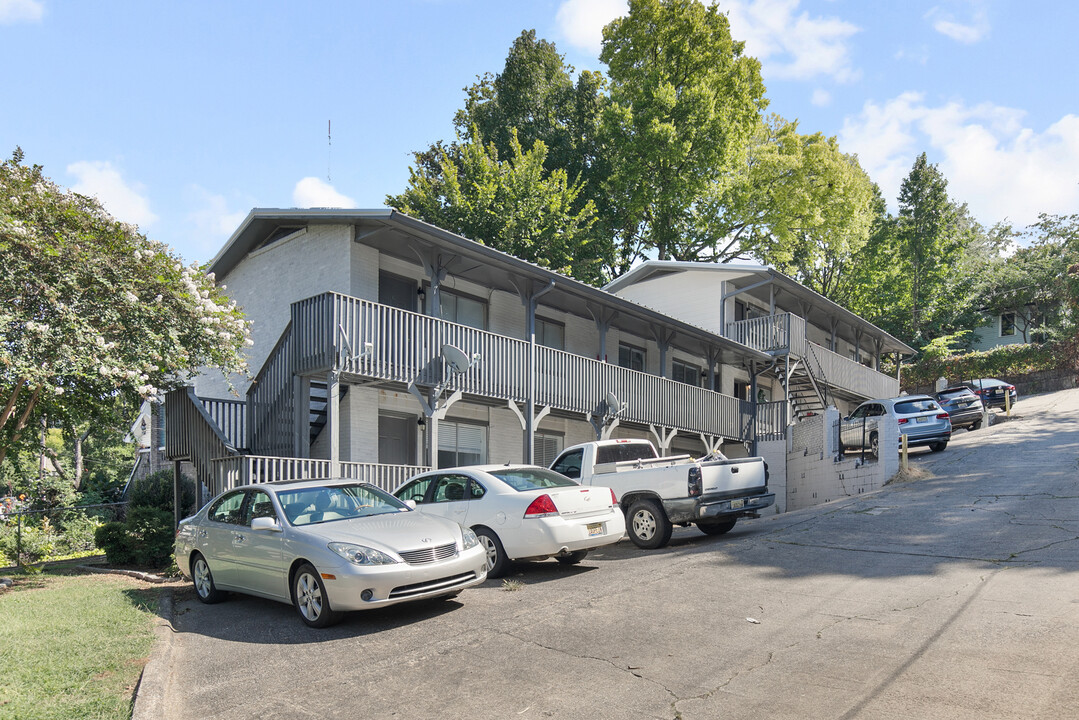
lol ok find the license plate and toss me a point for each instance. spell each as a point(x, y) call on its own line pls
point(595, 529)
point(922, 420)
point(737, 504)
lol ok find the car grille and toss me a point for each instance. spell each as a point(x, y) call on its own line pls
point(429, 555)
point(431, 586)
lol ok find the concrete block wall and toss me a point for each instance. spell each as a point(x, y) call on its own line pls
point(813, 474)
point(774, 453)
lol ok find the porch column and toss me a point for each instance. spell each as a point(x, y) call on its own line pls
point(858, 345)
point(713, 355)
point(301, 401)
point(663, 338)
point(177, 494)
point(333, 421)
point(529, 298)
point(834, 327)
point(435, 269)
point(877, 344)
point(603, 318)
point(772, 300)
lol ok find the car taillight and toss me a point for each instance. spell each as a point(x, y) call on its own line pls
point(904, 421)
point(614, 500)
point(694, 481)
point(943, 416)
point(543, 506)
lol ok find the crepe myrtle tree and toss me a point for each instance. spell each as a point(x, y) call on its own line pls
point(94, 315)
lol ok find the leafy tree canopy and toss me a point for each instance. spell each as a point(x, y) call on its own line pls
point(514, 205)
point(95, 315)
point(685, 103)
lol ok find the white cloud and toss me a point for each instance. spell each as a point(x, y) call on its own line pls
point(124, 201)
point(213, 221)
point(1002, 169)
point(821, 98)
point(581, 22)
point(313, 193)
point(15, 11)
point(793, 46)
point(968, 33)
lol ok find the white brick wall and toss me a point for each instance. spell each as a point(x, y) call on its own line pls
point(814, 476)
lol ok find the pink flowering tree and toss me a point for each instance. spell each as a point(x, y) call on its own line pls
point(93, 315)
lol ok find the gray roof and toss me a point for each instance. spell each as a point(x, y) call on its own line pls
point(398, 235)
point(821, 309)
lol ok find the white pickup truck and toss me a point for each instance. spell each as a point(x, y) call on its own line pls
point(657, 493)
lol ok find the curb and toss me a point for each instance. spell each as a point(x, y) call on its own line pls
point(145, 576)
point(149, 700)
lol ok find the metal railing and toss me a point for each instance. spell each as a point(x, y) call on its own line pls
point(231, 418)
point(270, 401)
point(845, 374)
point(786, 333)
point(387, 343)
point(192, 434)
point(771, 421)
point(230, 472)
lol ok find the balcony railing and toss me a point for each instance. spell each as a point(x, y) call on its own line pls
point(786, 333)
point(390, 344)
point(231, 418)
point(230, 472)
point(841, 372)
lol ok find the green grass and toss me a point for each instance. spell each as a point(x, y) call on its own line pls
point(72, 646)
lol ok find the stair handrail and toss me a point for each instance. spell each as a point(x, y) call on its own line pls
point(814, 369)
point(260, 393)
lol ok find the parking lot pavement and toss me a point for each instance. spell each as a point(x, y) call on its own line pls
point(951, 596)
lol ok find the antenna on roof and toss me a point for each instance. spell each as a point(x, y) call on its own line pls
point(329, 148)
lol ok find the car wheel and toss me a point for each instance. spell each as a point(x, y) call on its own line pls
point(716, 528)
point(648, 525)
point(974, 426)
point(874, 445)
point(311, 599)
point(938, 446)
point(203, 580)
point(573, 558)
point(497, 563)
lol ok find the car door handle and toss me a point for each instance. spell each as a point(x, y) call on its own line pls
point(239, 537)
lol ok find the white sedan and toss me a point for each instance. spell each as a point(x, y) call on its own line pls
point(520, 512)
point(325, 546)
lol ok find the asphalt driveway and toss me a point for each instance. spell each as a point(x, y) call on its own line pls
point(950, 596)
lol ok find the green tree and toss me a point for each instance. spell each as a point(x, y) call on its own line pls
point(513, 205)
point(95, 315)
point(934, 234)
point(685, 104)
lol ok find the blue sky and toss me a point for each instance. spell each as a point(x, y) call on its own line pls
point(181, 117)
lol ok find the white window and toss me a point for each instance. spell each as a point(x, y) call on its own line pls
point(461, 444)
point(1007, 324)
point(464, 310)
point(550, 334)
point(686, 373)
point(630, 357)
point(547, 447)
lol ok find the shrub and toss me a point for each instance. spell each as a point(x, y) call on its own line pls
point(39, 538)
point(152, 534)
point(144, 539)
point(156, 491)
point(112, 537)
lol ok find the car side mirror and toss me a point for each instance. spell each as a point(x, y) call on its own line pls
point(265, 523)
point(411, 504)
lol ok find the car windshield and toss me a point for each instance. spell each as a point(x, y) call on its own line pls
point(620, 452)
point(955, 393)
point(915, 406)
point(326, 503)
point(532, 479)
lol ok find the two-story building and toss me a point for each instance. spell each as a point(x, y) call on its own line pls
point(384, 346)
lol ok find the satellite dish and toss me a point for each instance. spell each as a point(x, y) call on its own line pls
point(457, 359)
point(613, 406)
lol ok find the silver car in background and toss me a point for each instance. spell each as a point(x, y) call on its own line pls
point(919, 417)
point(325, 546)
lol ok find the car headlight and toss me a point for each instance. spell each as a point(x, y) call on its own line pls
point(361, 554)
point(468, 538)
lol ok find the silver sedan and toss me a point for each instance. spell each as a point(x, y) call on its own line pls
point(326, 547)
